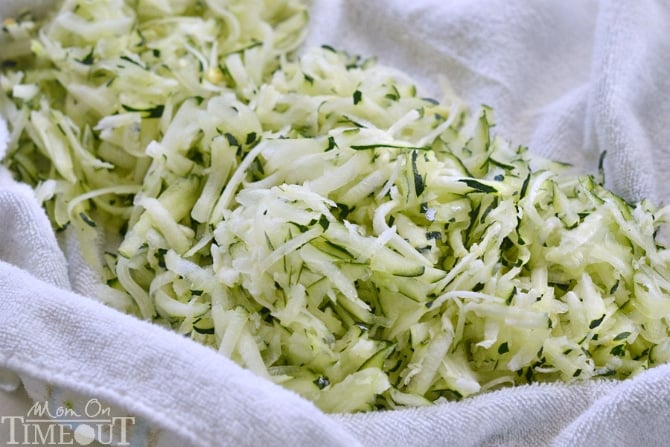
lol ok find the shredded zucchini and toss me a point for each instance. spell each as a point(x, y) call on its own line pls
point(311, 217)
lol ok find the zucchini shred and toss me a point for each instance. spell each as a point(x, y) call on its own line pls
point(309, 215)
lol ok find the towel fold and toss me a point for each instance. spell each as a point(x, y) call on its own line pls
point(568, 79)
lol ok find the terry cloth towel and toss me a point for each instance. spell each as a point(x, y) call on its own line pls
point(569, 79)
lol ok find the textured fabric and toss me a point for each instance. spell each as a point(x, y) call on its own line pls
point(607, 413)
point(569, 79)
point(78, 344)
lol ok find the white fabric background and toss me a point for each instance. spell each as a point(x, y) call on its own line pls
point(569, 79)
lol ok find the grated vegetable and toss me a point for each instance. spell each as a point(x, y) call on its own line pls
point(312, 217)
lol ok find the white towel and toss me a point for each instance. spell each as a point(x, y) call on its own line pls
point(569, 79)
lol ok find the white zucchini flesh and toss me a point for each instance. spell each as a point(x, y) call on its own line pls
point(313, 218)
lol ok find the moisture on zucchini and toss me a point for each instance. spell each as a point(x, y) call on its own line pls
point(310, 216)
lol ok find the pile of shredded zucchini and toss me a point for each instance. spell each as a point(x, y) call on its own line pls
point(313, 218)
